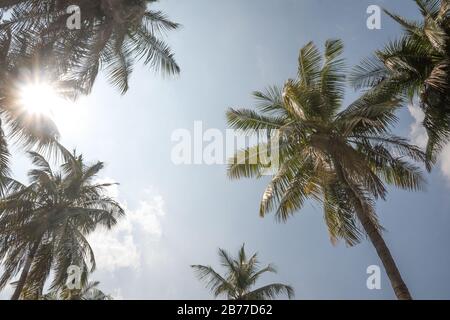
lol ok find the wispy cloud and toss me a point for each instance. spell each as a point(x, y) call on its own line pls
point(418, 134)
point(119, 248)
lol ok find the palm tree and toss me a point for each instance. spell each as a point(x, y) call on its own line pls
point(89, 291)
point(417, 65)
point(240, 279)
point(113, 35)
point(341, 158)
point(44, 225)
point(35, 43)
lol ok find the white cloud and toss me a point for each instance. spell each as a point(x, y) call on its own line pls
point(115, 249)
point(118, 248)
point(148, 214)
point(420, 138)
point(418, 134)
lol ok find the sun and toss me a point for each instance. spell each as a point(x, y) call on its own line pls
point(40, 99)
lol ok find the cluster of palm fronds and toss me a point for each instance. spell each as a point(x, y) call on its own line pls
point(341, 156)
point(417, 64)
point(35, 43)
point(113, 35)
point(43, 226)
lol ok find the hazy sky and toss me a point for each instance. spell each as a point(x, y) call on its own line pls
point(181, 215)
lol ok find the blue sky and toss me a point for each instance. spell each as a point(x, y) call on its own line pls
point(181, 215)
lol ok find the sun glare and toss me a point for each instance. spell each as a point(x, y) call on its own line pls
point(40, 99)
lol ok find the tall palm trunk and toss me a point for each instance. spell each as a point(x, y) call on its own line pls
point(400, 289)
point(397, 283)
point(25, 271)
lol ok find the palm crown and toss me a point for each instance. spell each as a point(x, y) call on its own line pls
point(35, 43)
point(417, 64)
point(341, 158)
point(242, 274)
point(317, 140)
point(113, 34)
point(43, 226)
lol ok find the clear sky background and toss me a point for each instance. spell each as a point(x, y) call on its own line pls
point(181, 215)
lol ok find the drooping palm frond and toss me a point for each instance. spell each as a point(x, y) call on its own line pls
point(214, 281)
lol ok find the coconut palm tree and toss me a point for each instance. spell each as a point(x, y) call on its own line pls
point(35, 44)
point(113, 35)
point(242, 274)
point(89, 291)
point(341, 158)
point(44, 225)
point(417, 65)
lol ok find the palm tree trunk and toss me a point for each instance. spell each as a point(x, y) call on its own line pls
point(400, 289)
point(25, 271)
point(397, 283)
